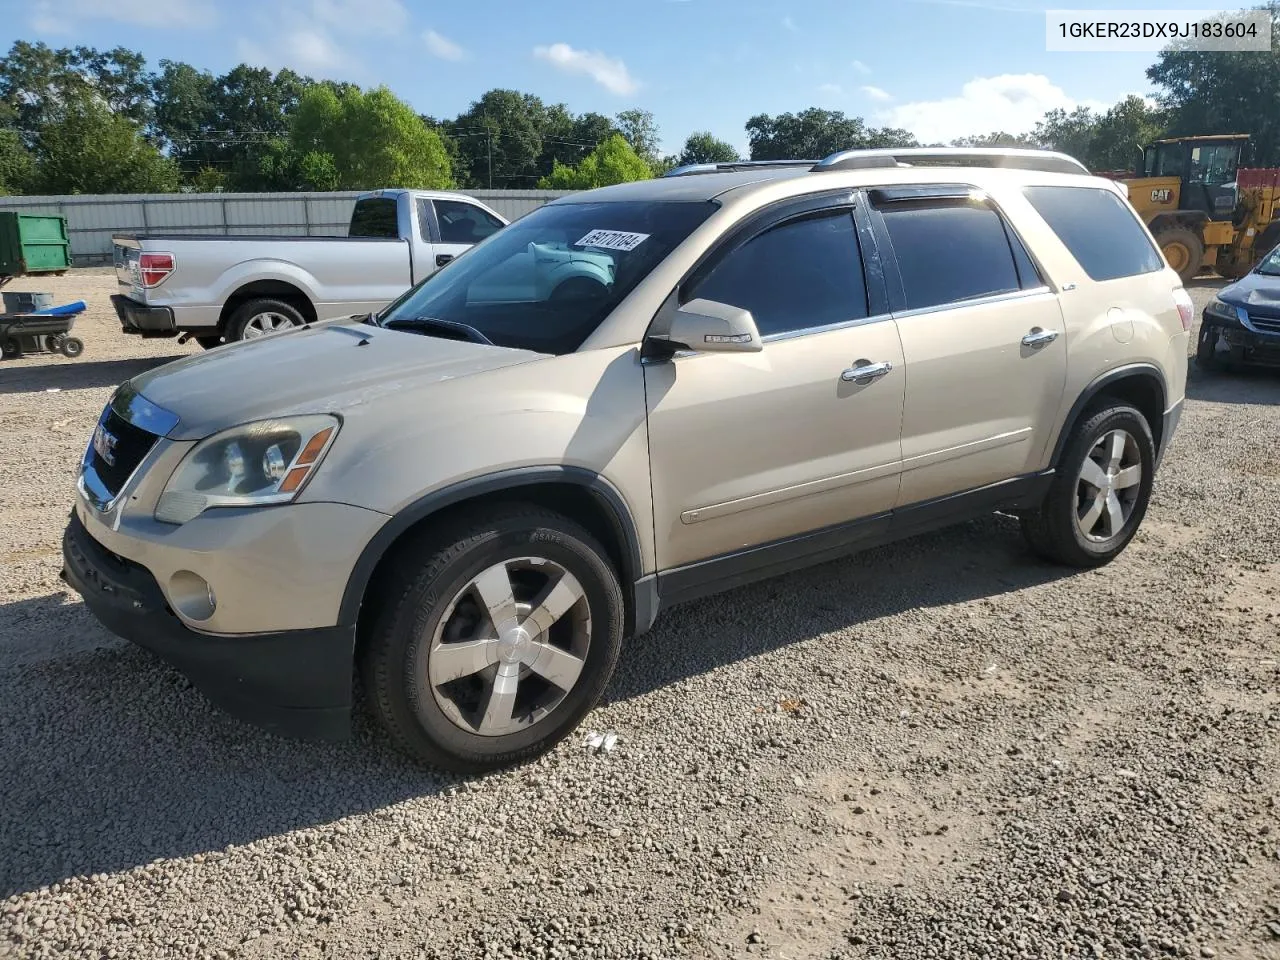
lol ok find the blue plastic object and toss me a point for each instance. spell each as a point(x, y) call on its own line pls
point(65, 310)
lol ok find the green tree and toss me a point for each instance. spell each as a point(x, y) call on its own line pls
point(641, 131)
point(17, 165)
point(1121, 134)
point(816, 133)
point(1070, 133)
point(702, 147)
point(614, 161)
point(348, 139)
point(85, 147)
point(1213, 93)
point(235, 123)
point(997, 138)
point(36, 80)
point(500, 140)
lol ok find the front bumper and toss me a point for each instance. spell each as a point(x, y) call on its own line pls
point(140, 318)
point(294, 682)
point(1241, 344)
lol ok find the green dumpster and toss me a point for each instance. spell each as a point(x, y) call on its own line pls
point(32, 244)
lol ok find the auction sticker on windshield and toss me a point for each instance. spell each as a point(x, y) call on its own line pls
point(612, 240)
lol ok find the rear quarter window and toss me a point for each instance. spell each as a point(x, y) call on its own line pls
point(1099, 229)
point(375, 217)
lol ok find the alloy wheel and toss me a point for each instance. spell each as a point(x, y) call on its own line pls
point(510, 646)
point(1108, 486)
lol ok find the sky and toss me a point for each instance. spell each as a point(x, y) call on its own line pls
point(940, 68)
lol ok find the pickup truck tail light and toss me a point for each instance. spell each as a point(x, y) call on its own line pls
point(1186, 309)
point(155, 268)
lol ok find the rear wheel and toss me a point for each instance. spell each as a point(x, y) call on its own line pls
point(494, 637)
point(9, 348)
point(1099, 492)
point(1184, 249)
point(257, 318)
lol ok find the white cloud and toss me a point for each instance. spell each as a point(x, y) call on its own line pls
point(609, 72)
point(861, 67)
point(876, 93)
point(1011, 102)
point(790, 24)
point(315, 36)
point(304, 49)
point(50, 17)
point(442, 47)
point(369, 17)
point(831, 89)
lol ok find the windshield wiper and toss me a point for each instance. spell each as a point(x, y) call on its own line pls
point(425, 325)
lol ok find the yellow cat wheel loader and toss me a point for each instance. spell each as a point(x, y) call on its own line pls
point(1204, 209)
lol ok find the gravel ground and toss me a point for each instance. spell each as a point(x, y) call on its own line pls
point(941, 748)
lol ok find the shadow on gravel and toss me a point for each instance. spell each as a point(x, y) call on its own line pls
point(1248, 385)
point(29, 376)
point(111, 760)
point(982, 558)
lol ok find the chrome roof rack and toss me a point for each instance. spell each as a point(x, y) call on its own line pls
point(1046, 161)
point(734, 166)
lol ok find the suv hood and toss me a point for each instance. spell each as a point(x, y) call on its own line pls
point(327, 367)
point(1254, 290)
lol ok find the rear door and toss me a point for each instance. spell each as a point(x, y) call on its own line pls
point(458, 227)
point(982, 338)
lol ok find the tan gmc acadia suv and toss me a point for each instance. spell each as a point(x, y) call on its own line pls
point(470, 499)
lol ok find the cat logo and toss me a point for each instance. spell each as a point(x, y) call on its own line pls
point(1161, 196)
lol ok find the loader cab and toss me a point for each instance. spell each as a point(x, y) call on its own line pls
point(1205, 168)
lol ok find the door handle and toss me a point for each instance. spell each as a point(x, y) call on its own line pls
point(1038, 337)
point(443, 258)
point(865, 372)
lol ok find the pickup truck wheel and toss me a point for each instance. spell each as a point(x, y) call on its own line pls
point(257, 318)
point(495, 636)
point(1099, 492)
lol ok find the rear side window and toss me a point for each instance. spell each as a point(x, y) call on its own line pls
point(374, 217)
point(952, 251)
point(1099, 229)
point(801, 274)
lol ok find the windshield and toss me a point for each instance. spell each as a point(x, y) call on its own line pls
point(1270, 265)
point(546, 281)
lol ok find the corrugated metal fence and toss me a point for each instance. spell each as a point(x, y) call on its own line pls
point(91, 220)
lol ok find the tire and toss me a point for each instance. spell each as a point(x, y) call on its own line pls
point(1207, 349)
point(209, 343)
point(1054, 530)
point(1184, 249)
point(71, 347)
point(431, 601)
point(9, 348)
point(262, 315)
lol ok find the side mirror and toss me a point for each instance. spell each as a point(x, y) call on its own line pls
point(712, 327)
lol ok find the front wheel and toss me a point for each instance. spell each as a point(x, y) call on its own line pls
point(71, 347)
point(1100, 491)
point(495, 637)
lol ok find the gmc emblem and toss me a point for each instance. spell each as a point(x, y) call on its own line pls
point(1161, 196)
point(104, 445)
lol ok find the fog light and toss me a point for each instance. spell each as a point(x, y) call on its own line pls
point(192, 595)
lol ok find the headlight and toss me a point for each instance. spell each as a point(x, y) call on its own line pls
point(254, 464)
point(1221, 310)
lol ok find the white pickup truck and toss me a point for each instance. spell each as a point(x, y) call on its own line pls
point(223, 288)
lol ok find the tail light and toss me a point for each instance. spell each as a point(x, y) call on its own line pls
point(1186, 309)
point(155, 268)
